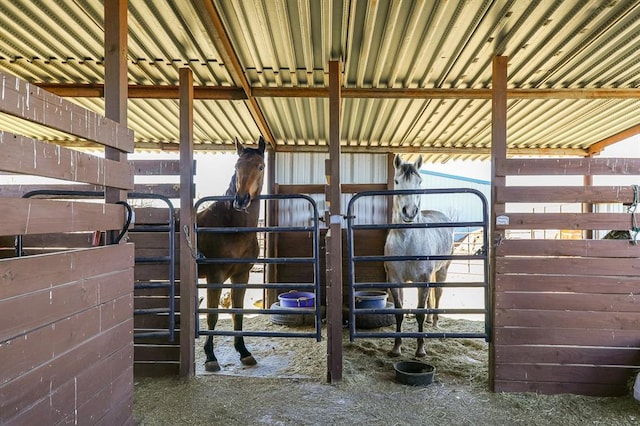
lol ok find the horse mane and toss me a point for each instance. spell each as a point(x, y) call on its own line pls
point(231, 190)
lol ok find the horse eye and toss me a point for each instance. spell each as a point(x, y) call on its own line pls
point(261, 167)
point(397, 182)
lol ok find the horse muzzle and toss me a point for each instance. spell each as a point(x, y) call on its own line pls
point(242, 203)
point(409, 214)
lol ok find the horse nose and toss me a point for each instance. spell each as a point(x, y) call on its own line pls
point(410, 212)
point(241, 202)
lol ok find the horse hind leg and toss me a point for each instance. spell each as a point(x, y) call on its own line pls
point(436, 294)
point(211, 363)
point(433, 302)
point(237, 301)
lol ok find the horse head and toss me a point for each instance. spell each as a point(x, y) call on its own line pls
point(249, 174)
point(407, 176)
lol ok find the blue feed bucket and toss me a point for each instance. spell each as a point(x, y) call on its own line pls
point(297, 299)
point(370, 299)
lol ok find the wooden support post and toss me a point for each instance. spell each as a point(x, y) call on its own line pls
point(115, 78)
point(271, 238)
point(588, 207)
point(115, 105)
point(498, 156)
point(187, 238)
point(390, 185)
point(334, 235)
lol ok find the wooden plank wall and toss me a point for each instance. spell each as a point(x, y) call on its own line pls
point(153, 356)
point(66, 340)
point(159, 355)
point(566, 310)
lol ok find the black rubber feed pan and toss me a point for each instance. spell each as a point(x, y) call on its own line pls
point(414, 373)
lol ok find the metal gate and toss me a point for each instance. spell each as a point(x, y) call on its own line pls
point(313, 285)
point(354, 259)
point(169, 311)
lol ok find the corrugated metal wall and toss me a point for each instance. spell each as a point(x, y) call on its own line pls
point(308, 168)
point(459, 207)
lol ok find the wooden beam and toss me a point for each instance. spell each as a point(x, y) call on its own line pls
point(187, 231)
point(30, 156)
point(391, 170)
point(511, 152)
point(570, 166)
point(138, 91)
point(498, 180)
point(49, 110)
point(25, 216)
point(115, 77)
point(239, 92)
point(271, 295)
point(334, 235)
point(171, 146)
point(224, 46)
point(597, 147)
point(586, 194)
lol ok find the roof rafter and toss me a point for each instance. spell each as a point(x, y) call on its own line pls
point(597, 147)
point(224, 46)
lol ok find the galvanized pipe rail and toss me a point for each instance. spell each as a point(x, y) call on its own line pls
point(314, 260)
point(353, 259)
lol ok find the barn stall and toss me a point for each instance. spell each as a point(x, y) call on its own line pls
point(428, 90)
point(66, 311)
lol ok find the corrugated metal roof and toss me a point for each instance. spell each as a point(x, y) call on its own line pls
point(383, 44)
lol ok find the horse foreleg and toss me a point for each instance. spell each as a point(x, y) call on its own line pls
point(213, 297)
point(396, 295)
point(237, 301)
point(423, 295)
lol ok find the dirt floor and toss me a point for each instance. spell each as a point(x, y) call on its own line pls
point(289, 387)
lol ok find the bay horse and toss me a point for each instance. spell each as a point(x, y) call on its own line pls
point(415, 242)
point(245, 187)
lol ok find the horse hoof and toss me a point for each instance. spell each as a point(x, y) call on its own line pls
point(248, 360)
point(421, 354)
point(212, 366)
point(394, 353)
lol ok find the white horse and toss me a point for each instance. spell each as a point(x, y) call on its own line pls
point(415, 242)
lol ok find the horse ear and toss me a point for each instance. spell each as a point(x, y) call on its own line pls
point(418, 162)
point(397, 161)
point(239, 147)
point(261, 144)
